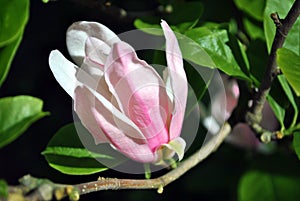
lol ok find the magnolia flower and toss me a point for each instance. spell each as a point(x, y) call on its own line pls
point(241, 135)
point(121, 99)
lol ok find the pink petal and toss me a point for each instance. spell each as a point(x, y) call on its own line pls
point(224, 102)
point(243, 137)
point(140, 92)
point(178, 80)
point(82, 107)
point(108, 124)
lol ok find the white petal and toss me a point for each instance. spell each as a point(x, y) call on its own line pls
point(177, 145)
point(64, 71)
point(78, 33)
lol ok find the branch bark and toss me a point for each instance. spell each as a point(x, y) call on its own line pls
point(283, 26)
point(43, 189)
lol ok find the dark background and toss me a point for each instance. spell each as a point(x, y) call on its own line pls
point(214, 179)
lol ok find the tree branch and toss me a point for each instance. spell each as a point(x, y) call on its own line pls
point(44, 189)
point(254, 116)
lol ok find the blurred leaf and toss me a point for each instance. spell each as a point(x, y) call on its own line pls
point(254, 29)
point(13, 17)
point(289, 63)
point(257, 52)
point(7, 54)
point(214, 43)
point(290, 96)
point(66, 153)
point(154, 29)
point(183, 27)
point(265, 186)
point(254, 8)
point(278, 110)
point(292, 41)
point(3, 189)
point(296, 143)
point(16, 115)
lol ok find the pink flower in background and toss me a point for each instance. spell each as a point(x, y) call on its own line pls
point(241, 134)
point(121, 99)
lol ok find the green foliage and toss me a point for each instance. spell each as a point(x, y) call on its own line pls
point(66, 153)
point(154, 29)
point(16, 115)
point(278, 110)
point(284, 99)
point(254, 29)
point(214, 41)
point(254, 8)
point(3, 189)
point(292, 41)
point(290, 96)
point(289, 63)
point(267, 186)
point(257, 54)
point(296, 143)
point(12, 26)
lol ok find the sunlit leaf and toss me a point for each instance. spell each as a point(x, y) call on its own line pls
point(16, 115)
point(214, 43)
point(66, 153)
point(289, 63)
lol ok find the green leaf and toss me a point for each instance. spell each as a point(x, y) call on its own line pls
point(3, 189)
point(7, 54)
point(16, 115)
point(296, 143)
point(290, 96)
point(266, 186)
point(66, 153)
point(254, 8)
point(292, 41)
point(254, 29)
point(289, 63)
point(278, 110)
point(213, 42)
point(13, 18)
point(149, 28)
